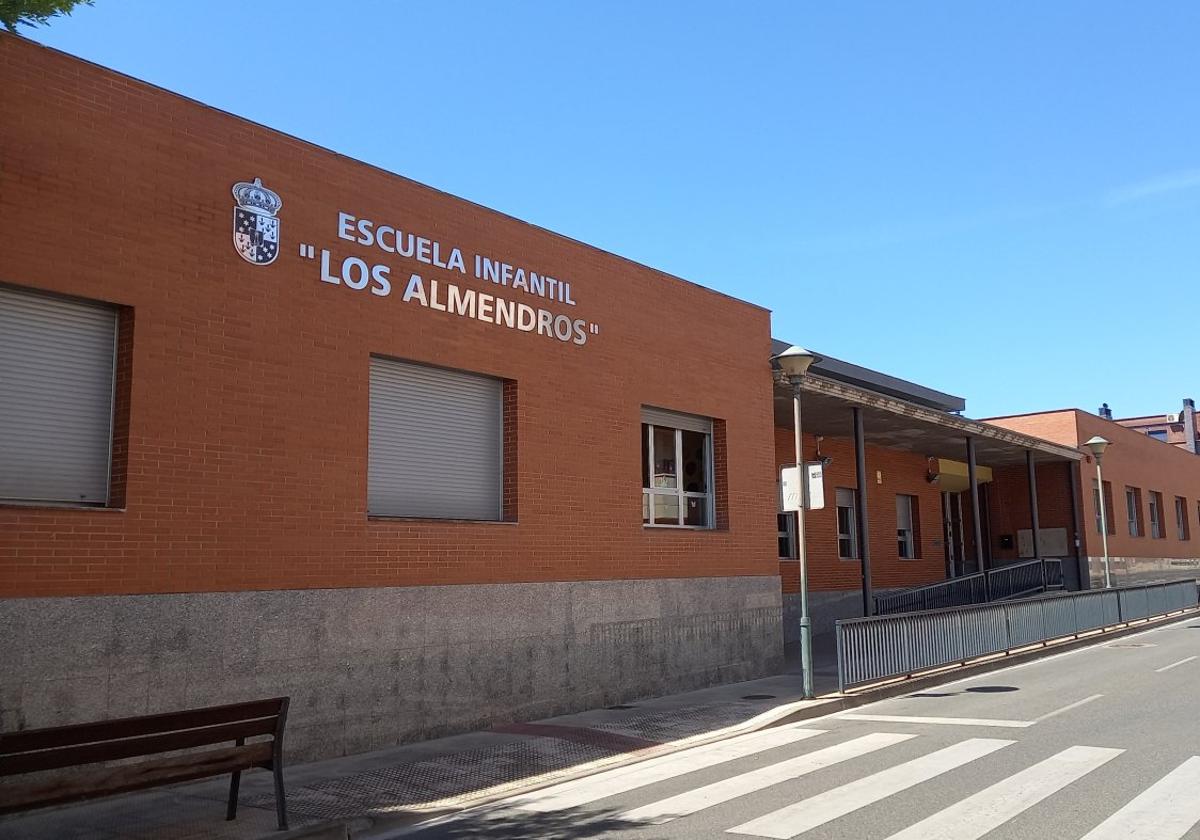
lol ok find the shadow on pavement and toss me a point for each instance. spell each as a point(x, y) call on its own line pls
point(522, 825)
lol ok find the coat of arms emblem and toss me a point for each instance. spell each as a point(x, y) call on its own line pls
point(255, 227)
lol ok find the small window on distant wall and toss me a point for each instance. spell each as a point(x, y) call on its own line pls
point(906, 534)
point(787, 535)
point(847, 523)
point(1158, 434)
point(1133, 510)
point(1109, 517)
point(1156, 516)
point(677, 475)
point(1182, 527)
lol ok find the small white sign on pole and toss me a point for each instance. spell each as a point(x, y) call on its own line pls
point(807, 488)
point(789, 478)
point(815, 474)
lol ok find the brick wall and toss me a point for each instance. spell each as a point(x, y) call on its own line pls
point(1132, 460)
point(891, 472)
point(245, 439)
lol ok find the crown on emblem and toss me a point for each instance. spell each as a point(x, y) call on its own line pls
point(257, 197)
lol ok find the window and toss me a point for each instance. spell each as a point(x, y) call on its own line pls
point(906, 533)
point(1109, 514)
point(1158, 434)
point(1183, 528)
point(787, 535)
point(676, 470)
point(435, 443)
point(847, 523)
point(58, 361)
point(1133, 511)
point(1156, 515)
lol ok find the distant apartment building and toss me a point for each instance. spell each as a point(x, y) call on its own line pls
point(1177, 429)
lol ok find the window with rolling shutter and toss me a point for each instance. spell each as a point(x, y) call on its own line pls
point(57, 360)
point(436, 443)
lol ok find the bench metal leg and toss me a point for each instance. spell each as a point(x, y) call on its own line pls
point(280, 799)
point(231, 809)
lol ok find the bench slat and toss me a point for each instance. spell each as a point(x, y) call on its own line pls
point(108, 730)
point(110, 780)
point(72, 756)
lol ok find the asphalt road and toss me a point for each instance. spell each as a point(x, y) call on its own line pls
point(1099, 743)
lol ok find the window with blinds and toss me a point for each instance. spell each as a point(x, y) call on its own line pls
point(435, 446)
point(57, 361)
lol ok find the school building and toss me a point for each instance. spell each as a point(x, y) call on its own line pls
point(275, 421)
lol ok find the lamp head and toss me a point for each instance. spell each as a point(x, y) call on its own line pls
point(795, 361)
point(1097, 444)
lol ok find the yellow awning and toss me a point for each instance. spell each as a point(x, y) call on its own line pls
point(953, 475)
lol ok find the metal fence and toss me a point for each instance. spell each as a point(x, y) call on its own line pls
point(1005, 582)
point(881, 647)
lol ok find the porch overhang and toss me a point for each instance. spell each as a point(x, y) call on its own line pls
point(899, 424)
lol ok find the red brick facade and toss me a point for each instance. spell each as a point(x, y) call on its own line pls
point(1133, 460)
point(891, 472)
point(242, 407)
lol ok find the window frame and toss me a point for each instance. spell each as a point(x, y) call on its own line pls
point(648, 493)
point(1183, 526)
point(787, 533)
point(1133, 511)
point(1157, 531)
point(110, 501)
point(852, 535)
point(907, 537)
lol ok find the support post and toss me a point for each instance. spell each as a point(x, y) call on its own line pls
point(976, 520)
point(1034, 521)
point(948, 535)
point(864, 538)
point(1082, 567)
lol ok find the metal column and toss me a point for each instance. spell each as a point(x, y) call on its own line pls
point(864, 539)
point(1082, 567)
point(948, 532)
point(1033, 515)
point(976, 520)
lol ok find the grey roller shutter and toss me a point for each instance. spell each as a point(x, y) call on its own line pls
point(675, 420)
point(56, 397)
point(435, 443)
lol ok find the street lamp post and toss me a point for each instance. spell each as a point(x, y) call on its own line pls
point(1098, 444)
point(795, 362)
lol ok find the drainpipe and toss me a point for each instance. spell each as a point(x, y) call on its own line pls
point(1189, 425)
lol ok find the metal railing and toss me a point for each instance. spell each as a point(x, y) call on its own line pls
point(1010, 581)
point(883, 647)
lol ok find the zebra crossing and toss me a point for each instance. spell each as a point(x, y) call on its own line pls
point(1166, 810)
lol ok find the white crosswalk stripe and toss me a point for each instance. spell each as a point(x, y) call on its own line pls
point(1166, 810)
point(976, 815)
point(801, 816)
point(621, 779)
point(727, 789)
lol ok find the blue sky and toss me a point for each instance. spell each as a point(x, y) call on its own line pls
point(1000, 200)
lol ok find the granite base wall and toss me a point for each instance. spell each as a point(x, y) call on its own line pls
point(371, 668)
point(824, 610)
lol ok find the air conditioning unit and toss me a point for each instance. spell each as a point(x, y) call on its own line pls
point(1172, 418)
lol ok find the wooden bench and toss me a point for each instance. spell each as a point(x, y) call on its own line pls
point(61, 747)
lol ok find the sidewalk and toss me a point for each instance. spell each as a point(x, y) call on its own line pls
point(401, 785)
